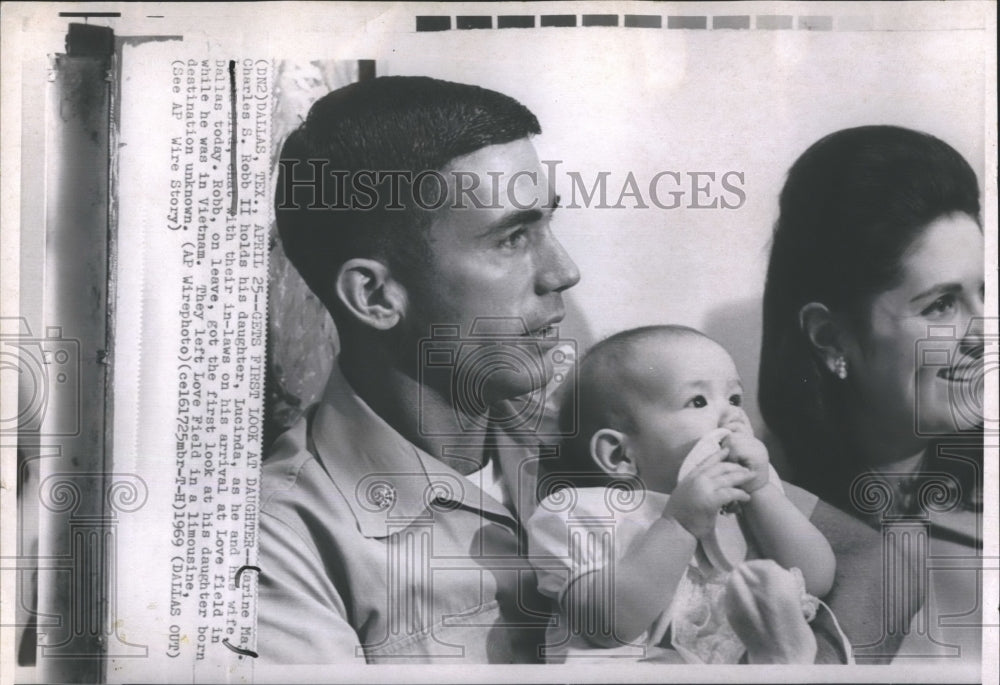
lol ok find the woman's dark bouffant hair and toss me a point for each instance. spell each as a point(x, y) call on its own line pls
point(852, 205)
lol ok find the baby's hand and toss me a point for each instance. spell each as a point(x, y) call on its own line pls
point(764, 608)
point(748, 451)
point(696, 500)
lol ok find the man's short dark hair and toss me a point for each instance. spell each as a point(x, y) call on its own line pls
point(395, 123)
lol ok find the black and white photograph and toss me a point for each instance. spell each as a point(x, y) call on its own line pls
point(499, 341)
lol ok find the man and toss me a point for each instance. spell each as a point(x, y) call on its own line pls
point(390, 518)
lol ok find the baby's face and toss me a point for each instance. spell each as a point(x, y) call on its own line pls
point(691, 388)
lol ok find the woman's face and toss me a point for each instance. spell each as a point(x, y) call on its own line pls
point(918, 368)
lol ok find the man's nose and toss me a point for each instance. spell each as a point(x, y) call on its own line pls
point(556, 269)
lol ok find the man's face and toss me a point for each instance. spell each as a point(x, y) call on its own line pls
point(495, 260)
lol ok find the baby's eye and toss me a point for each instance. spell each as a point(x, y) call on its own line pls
point(698, 401)
point(940, 307)
point(736, 400)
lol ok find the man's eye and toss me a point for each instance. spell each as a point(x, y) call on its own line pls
point(736, 400)
point(698, 401)
point(515, 238)
point(940, 307)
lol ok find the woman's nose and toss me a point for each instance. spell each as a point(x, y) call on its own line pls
point(971, 344)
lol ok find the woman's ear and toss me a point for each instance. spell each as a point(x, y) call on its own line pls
point(367, 289)
point(826, 335)
point(607, 449)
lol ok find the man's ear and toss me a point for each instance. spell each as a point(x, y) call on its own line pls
point(607, 449)
point(367, 289)
point(826, 335)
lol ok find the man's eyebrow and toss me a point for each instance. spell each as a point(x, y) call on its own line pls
point(938, 289)
point(519, 217)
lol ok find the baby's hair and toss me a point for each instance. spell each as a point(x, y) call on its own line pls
point(597, 397)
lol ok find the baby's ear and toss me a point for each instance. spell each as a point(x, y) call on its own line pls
point(607, 449)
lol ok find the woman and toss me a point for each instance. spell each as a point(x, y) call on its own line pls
point(871, 360)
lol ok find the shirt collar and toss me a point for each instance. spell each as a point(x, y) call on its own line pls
point(388, 482)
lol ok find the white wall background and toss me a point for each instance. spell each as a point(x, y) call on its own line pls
point(646, 100)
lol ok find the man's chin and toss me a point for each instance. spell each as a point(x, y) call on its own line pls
point(507, 384)
point(522, 414)
point(517, 402)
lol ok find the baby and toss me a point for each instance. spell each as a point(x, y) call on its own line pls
point(661, 570)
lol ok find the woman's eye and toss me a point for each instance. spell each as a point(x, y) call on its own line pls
point(736, 400)
point(515, 238)
point(940, 307)
point(698, 401)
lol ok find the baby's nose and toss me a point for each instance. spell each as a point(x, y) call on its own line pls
point(735, 419)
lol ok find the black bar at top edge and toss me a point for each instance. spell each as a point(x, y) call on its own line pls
point(558, 20)
point(90, 14)
point(473, 22)
point(731, 22)
point(687, 22)
point(516, 21)
point(816, 23)
point(774, 22)
point(599, 20)
point(643, 21)
point(433, 23)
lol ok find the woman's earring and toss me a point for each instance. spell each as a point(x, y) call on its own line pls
point(840, 368)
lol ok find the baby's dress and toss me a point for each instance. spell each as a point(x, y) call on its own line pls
point(577, 531)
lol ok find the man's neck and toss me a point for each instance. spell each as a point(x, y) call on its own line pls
point(420, 414)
